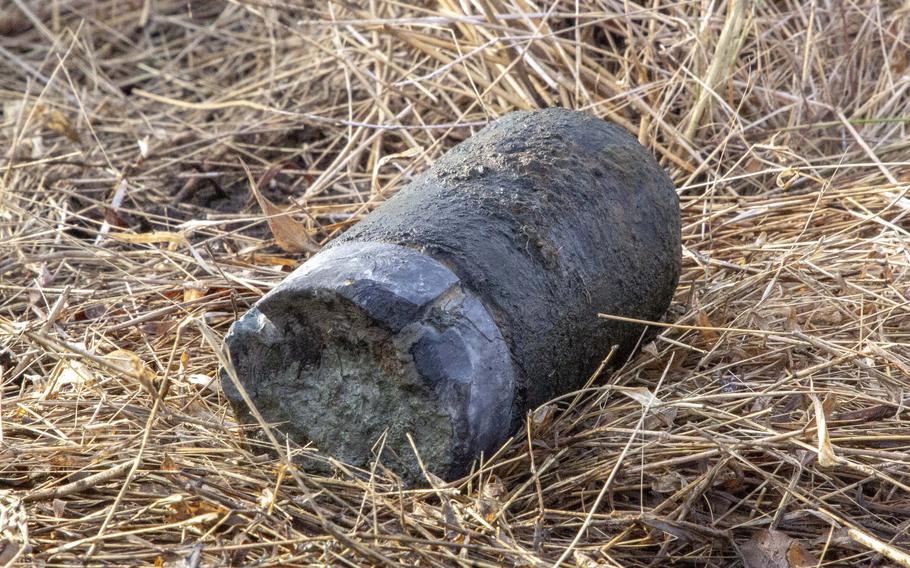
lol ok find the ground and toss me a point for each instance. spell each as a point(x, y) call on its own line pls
point(764, 426)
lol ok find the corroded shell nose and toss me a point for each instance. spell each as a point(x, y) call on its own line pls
point(371, 339)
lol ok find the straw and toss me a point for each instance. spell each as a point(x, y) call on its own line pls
point(773, 395)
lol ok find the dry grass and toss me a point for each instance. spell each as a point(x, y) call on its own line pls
point(775, 399)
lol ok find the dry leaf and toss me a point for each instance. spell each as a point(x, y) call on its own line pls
point(640, 395)
point(703, 321)
point(62, 461)
point(730, 479)
point(494, 488)
point(668, 482)
point(826, 455)
point(542, 416)
point(193, 291)
point(491, 498)
point(774, 549)
point(868, 414)
point(168, 464)
point(158, 328)
point(59, 123)
point(290, 234)
point(434, 480)
point(59, 507)
point(69, 373)
point(129, 362)
point(651, 349)
point(760, 321)
point(753, 165)
point(663, 416)
point(266, 499)
point(799, 557)
point(143, 144)
point(112, 218)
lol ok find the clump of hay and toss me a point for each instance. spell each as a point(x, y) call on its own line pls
point(764, 426)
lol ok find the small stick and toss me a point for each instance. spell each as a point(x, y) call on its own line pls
point(80, 485)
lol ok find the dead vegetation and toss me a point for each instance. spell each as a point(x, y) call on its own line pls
point(775, 400)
